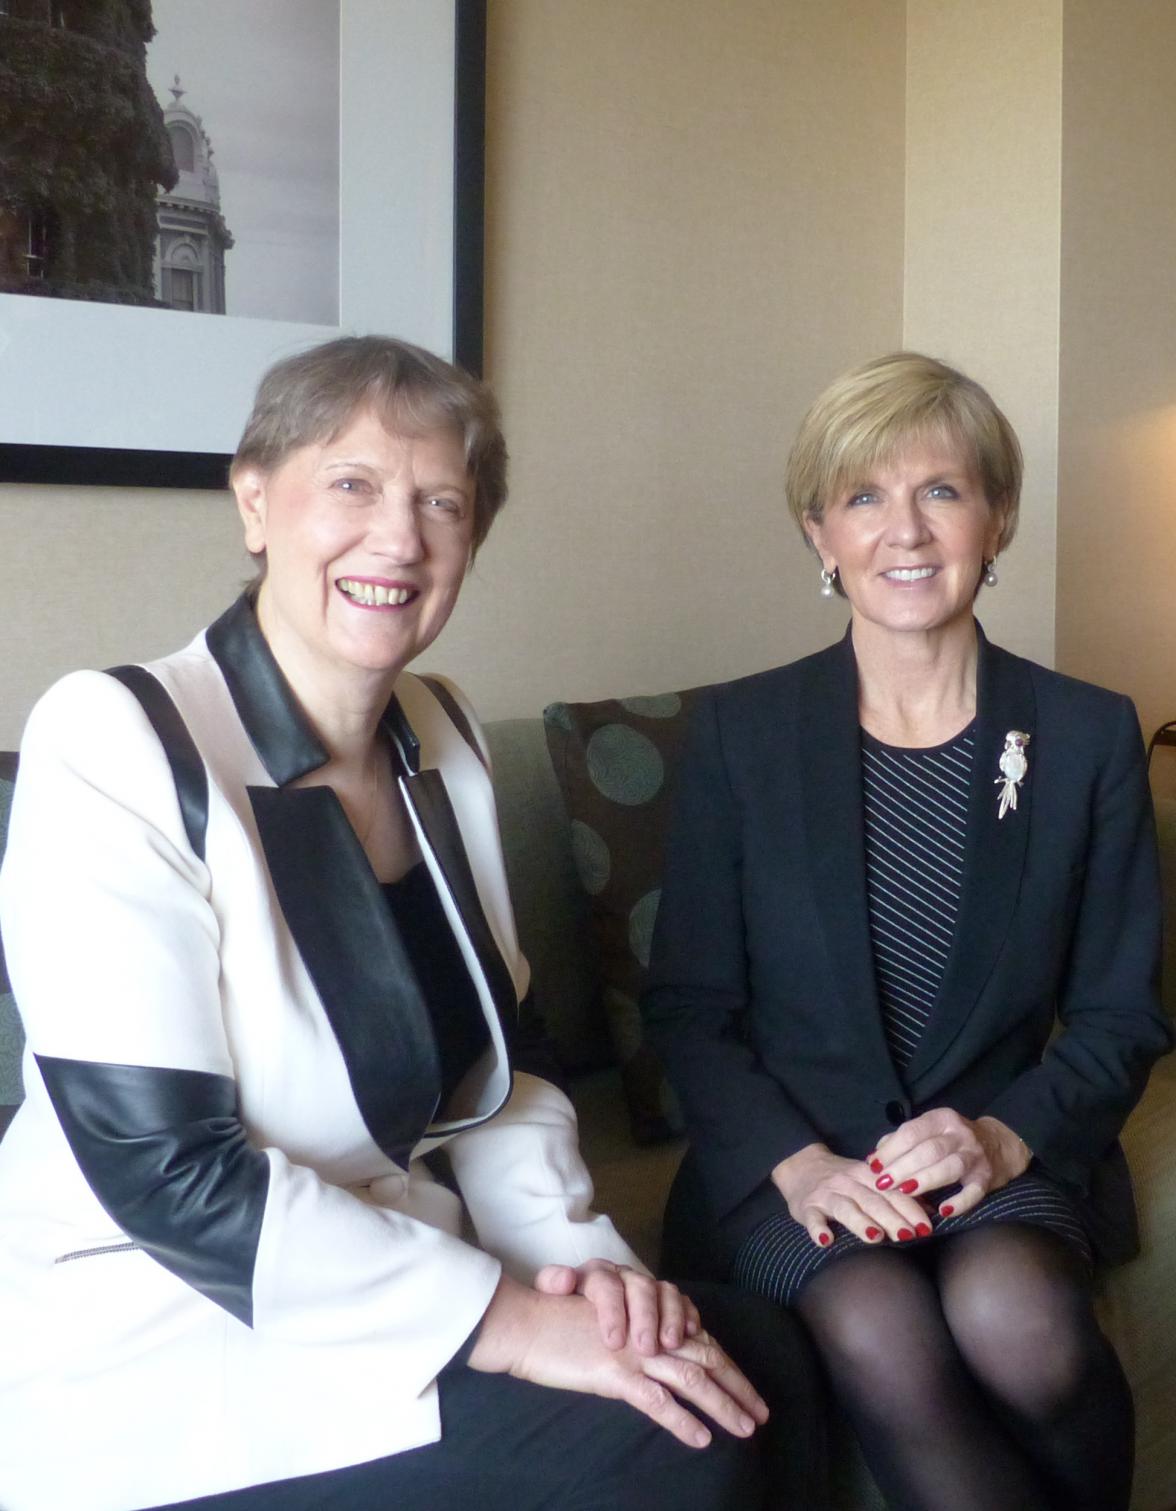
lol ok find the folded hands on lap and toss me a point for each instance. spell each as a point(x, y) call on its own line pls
point(885, 1196)
point(556, 1338)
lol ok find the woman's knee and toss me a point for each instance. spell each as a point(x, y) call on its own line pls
point(1023, 1320)
point(875, 1319)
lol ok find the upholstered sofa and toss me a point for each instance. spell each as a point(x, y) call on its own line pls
point(1137, 1302)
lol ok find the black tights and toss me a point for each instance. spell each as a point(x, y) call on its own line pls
point(975, 1374)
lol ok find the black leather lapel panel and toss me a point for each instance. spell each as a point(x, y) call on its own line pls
point(395, 725)
point(348, 942)
point(994, 856)
point(430, 802)
point(187, 768)
point(831, 773)
point(166, 1155)
point(277, 728)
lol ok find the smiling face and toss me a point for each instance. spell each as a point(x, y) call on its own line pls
point(910, 541)
point(367, 539)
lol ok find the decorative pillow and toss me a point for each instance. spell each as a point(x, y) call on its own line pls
point(614, 761)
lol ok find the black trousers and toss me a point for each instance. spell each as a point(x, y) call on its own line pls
point(508, 1445)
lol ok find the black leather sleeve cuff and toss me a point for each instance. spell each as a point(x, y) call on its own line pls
point(166, 1155)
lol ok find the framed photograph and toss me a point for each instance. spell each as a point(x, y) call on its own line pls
point(327, 179)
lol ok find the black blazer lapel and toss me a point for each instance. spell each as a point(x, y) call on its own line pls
point(831, 779)
point(429, 801)
point(278, 730)
point(350, 946)
point(994, 856)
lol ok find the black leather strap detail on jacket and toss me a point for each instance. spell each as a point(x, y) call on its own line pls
point(456, 713)
point(430, 801)
point(394, 723)
point(187, 768)
point(166, 1155)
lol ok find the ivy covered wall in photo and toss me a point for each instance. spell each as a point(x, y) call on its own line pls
point(83, 150)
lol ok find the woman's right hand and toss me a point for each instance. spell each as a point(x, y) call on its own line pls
point(555, 1341)
point(821, 1188)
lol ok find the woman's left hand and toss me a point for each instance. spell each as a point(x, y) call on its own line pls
point(653, 1315)
point(942, 1148)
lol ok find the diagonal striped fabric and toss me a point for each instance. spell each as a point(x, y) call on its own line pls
point(916, 816)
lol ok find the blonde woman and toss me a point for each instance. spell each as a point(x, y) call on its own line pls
point(905, 974)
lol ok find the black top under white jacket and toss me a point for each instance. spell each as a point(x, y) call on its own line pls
point(222, 1260)
point(762, 996)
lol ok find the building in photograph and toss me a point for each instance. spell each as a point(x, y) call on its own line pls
point(193, 237)
point(82, 150)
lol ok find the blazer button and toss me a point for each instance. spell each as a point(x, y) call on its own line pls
point(895, 1113)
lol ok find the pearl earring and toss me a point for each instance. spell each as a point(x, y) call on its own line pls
point(990, 577)
point(827, 581)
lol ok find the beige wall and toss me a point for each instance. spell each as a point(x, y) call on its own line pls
point(95, 576)
point(695, 221)
point(1117, 522)
point(983, 192)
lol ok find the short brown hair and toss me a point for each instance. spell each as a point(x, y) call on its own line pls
point(307, 399)
point(868, 415)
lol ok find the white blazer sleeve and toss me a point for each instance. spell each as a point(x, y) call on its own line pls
point(527, 1188)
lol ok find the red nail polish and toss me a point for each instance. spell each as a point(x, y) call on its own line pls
point(908, 1186)
point(924, 1230)
point(826, 1239)
point(873, 1234)
point(884, 1182)
point(876, 1166)
point(905, 1235)
point(946, 1210)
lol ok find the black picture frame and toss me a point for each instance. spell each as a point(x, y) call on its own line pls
point(135, 468)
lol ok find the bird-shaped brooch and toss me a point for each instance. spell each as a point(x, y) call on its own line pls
point(1014, 766)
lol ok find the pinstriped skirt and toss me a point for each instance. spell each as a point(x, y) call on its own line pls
point(778, 1258)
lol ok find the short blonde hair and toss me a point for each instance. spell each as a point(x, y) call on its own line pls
point(311, 397)
point(867, 416)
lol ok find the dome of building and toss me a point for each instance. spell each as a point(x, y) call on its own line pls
point(193, 236)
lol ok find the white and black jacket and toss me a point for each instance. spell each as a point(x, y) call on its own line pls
point(222, 1259)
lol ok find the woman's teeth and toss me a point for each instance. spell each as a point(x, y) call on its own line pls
point(373, 592)
point(909, 574)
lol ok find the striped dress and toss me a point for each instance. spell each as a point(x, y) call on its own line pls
point(915, 804)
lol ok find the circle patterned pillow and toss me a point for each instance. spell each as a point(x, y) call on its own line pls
point(614, 761)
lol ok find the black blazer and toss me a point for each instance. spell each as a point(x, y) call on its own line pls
point(761, 994)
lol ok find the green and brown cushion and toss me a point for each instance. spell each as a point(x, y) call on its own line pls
point(614, 762)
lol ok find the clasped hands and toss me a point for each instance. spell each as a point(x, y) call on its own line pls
point(888, 1195)
point(609, 1330)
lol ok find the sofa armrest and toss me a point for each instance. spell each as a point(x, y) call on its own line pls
point(1135, 1300)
